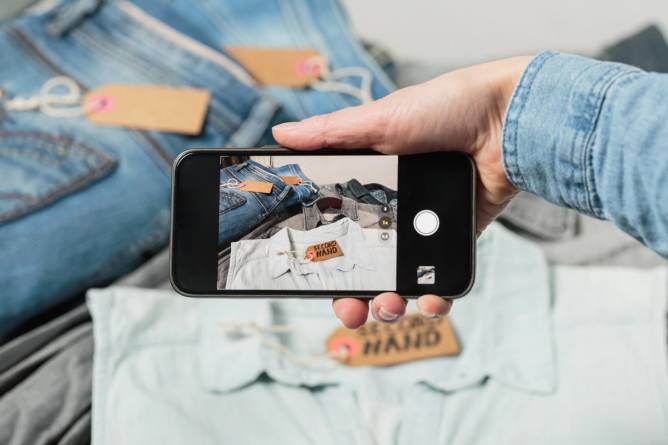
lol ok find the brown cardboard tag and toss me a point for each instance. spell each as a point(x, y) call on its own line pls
point(149, 107)
point(291, 180)
point(289, 67)
point(323, 251)
point(413, 337)
point(256, 186)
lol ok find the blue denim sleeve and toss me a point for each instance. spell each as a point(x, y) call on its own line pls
point(593, 136)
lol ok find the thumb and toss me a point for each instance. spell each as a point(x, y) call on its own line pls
point(363, 126)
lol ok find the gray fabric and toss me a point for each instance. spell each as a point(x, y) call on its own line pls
point(45, 374)
point(11, 378)
point(43, 407)
point(79, 433)
point(600, 243)
point(531, 215)
point(19, 348)
point(152, 274)
point(646, 49)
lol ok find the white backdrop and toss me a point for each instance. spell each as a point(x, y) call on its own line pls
point(459, 33)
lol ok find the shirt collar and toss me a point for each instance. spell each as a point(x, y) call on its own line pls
point(313, 216)
point(348, 234)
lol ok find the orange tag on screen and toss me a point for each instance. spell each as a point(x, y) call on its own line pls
point(291, 180)
point(323, 251)
point(414, 337)
point(256, 186)
point(149, 107)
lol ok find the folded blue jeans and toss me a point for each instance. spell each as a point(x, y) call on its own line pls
point(318, 24)
point(81, 204)
point(239, 211)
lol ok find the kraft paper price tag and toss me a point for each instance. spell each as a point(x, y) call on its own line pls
point(291, 180)
point(413, 337)
point(256, 186)
point(149, 107)
point(323, 251)
point(288, 67)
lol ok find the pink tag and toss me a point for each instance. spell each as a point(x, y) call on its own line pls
point(309, 66)
point(349, 345)
point(101, 103)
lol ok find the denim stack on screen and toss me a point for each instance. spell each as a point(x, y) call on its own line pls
point(238, 211)
point(81, 204)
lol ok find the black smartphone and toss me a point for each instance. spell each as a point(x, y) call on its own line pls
point(273, 222)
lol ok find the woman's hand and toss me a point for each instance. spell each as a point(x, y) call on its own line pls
point(462, 110)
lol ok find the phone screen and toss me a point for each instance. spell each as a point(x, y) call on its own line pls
point(275, 222)
point(310, 223)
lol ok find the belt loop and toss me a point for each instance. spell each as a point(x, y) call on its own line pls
point(69, 15)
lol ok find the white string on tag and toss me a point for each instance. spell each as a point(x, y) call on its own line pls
point(264, 333)
point(331, 81)
point(231, 183)
point(53, 103)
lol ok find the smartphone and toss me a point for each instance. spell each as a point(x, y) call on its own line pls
point(273, 222)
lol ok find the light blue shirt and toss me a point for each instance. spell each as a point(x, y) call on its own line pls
point(549, 356)
point(368, 260)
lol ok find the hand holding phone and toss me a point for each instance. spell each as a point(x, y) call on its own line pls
point(463, 110)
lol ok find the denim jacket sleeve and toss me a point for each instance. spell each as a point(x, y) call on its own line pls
point(593, 136)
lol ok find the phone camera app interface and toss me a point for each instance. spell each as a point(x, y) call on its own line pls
point(290, 222)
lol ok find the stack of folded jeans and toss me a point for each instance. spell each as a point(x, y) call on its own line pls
point(82, 204)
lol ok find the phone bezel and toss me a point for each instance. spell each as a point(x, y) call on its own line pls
point(215, 154)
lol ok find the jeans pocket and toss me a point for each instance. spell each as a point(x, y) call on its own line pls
point(229, 200)
point(38, 169)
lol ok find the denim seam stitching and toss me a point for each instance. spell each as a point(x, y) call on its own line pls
point(380, 75)
point(162, 74)
point(278, 199)
point(92, 173)
point(509, 149)
point(593, 200)
point(297, 9)
point(239, 201)
point(38, 56)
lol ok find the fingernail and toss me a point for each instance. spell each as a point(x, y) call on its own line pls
point(287, 126)
point(427, 314)
point(430, 314)
point(386, 315)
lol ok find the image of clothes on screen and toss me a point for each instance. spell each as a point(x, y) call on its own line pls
point(368, 216)
point(240, 211)
point(354, 258)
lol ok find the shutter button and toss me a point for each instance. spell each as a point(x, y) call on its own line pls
point(426, 222)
